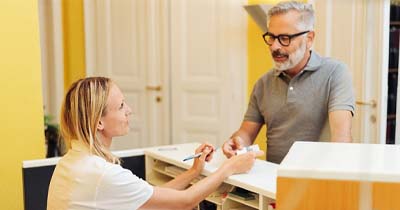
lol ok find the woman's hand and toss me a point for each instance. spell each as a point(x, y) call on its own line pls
point(207, 151)
point(241, 163)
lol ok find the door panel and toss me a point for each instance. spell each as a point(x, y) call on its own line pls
point(181, 65)
point(122, 45)
point(207, 51)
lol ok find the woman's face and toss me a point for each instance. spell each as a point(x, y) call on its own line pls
point(115, 122)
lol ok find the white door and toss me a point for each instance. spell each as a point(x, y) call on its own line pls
point(181, 65)
point(52, 56)
point(356, 32)
point(125, 41)
point(208, 69)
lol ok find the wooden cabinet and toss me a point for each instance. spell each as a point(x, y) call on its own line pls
point(346, 176)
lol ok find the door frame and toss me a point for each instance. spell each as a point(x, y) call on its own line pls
point(368, 61)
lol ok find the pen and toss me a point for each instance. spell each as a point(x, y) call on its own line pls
point(195, 155)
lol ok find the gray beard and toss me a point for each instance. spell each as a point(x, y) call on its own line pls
point(293, 60)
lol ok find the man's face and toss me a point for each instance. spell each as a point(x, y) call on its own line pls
point(287, 57)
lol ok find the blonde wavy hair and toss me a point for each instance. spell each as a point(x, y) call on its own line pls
point(84, 104)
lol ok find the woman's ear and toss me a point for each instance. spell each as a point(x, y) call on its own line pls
point(100, 126)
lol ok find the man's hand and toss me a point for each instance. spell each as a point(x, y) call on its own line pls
point(230, 147)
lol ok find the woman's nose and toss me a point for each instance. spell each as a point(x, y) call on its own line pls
point(129, 110)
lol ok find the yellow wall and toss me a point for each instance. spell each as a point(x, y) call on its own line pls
point(74, 41)
point(21, 107)
point(259, 60)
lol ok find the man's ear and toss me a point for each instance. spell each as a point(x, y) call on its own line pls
point(310, 39)
point(100, 126)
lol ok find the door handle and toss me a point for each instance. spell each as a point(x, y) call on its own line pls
point(371, 103)
point(155, 88)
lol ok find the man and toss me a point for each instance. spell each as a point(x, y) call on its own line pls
point(300, 94)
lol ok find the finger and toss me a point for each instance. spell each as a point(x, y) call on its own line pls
point(229, 153)
point(257, 153)
point(226, 146)
point(227, 149)
point(200, 148)
point(211, 147)
point(205, 153)
point(210, 156)
point(237, 140)
point(206, 144)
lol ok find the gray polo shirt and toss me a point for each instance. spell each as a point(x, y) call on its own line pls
point(296, 109)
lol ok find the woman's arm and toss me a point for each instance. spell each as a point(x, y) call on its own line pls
point(167, 198)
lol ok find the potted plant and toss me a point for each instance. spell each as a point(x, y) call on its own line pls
point(54, 142)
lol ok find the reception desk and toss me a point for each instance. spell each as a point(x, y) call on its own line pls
point(160, 164)
point(165, 163)
point(345, 176)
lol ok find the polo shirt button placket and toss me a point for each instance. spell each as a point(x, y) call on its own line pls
point(291, 94)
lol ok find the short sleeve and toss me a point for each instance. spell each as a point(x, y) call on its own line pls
point(253, 112)
point(120, 189)
point(341, 94)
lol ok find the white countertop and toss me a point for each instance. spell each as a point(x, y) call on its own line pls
point(260, 179)
point(342, 161)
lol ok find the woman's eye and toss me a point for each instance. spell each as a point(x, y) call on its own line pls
point(122, 105)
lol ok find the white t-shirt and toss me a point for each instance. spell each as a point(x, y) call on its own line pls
point(82, 181)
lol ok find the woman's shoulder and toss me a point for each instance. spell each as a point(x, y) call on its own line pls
point(115, 171)
point(117, 177)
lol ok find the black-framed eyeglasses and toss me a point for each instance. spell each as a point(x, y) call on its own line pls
point(284, 39)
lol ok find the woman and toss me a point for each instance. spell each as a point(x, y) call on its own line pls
point(89, 175)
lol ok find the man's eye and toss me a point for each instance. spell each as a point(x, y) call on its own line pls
point(284, 38)
point(122, 105)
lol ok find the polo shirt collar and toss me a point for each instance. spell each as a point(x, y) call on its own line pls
point(313, 64)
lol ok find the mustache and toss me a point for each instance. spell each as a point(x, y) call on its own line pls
point(278, 53)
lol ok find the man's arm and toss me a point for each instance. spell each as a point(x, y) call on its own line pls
point(247, 133)
point(340, 125)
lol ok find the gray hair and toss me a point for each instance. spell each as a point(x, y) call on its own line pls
point(306, 20)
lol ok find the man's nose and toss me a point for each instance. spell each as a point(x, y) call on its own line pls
point(275, 45)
